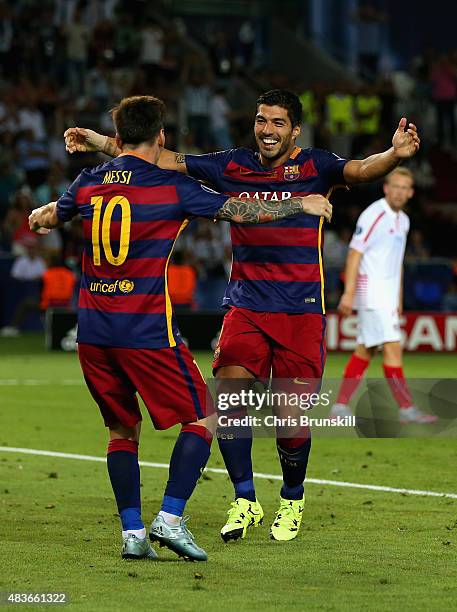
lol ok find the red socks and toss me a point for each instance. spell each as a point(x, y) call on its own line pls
point(200, 430)
point(353, 373)
point(398, 385)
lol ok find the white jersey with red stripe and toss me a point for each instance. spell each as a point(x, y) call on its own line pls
point(380, 236)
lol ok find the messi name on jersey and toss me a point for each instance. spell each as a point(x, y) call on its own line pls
point(132, 213)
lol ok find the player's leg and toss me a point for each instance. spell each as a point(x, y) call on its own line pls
point(393, 371)
point(174, 391)
point(353, 374)
point(124, 473)
point(242, 355)
point(116, 399)
point(235, 444)
point(298, 359)
point(188, 460)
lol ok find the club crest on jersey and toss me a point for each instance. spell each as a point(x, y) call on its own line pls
point(291, 173)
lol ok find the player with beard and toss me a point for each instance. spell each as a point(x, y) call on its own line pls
point(275, 320)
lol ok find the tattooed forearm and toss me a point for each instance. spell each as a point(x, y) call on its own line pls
point(111, 148)
point(252, 210)
point(180, 158)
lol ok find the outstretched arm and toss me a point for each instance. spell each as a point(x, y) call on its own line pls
point(350, 282)
point(251, 210)
point(82, 140)
point(169, 160)
point(44, 219)
point(405, 144)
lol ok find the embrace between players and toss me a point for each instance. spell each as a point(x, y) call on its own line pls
point(133, 208)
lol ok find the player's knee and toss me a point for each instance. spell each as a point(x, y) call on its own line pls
point(208, 423)
point(233, 372)
point(392, 353)
point(364, 352)
point(120, 432)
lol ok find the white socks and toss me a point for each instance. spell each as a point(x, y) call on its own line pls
point(170, 519)
point(138, 533)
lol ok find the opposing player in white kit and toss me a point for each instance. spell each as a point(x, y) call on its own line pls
point(374, 287)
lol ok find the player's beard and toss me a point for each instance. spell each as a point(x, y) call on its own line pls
point(398, 205)
point(272, 155)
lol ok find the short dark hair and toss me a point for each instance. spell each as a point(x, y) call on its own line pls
point(284, 99)
point(138, 119)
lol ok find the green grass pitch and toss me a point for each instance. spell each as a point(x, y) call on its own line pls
point(357, 550)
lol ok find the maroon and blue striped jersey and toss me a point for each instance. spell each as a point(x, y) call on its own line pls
point(132, 213)
point(276, 267)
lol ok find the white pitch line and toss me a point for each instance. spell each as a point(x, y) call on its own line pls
point(335, 483)
point(39, 382)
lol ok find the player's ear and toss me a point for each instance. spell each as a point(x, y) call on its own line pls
point(161, 138)
point(296, 131)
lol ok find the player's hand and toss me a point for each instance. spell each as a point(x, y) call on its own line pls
point(83, 140)
point(317, 205)
point(406, 143)
point(345, 305)
point(37, 219)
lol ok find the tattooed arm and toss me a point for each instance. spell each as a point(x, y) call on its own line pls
point(169, 160)
point(252, 210)
point(82, 140)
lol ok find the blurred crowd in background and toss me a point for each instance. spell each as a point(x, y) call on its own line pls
point(66, 62)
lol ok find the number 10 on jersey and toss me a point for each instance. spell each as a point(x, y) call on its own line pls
point(124, 240)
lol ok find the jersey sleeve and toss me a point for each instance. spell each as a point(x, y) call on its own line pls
point(364, 233)
point(209, 167)
point(66, 204)
point(330, 167)
point(198, 200)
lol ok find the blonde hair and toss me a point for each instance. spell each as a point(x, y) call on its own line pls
point(399, 170)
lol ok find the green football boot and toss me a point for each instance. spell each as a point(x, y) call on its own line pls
point(287, 521)
point(242, 514)
point(135, 548)
point(177, 538)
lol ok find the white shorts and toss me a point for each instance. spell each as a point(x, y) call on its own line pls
point(375, 327)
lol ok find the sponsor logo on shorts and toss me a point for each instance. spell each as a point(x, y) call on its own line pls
point(300, 381)
point(100, 286)
point(217, 352)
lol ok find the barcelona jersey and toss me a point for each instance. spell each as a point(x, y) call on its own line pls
point(277, 267)
point(132, 213)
